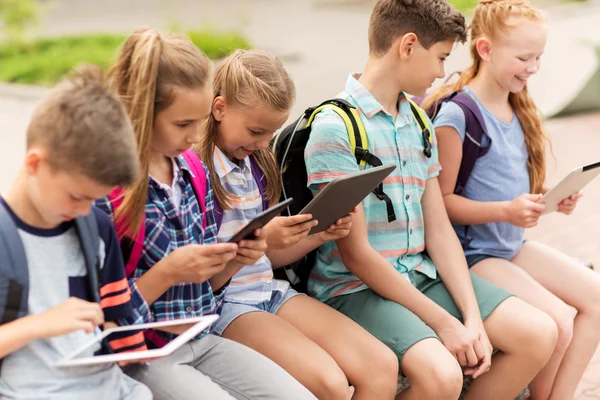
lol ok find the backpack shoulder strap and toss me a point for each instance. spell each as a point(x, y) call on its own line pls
point(137, 243)
point(260, 178)
point(14, 282)
point(87, 227)
point(198, 180)
point(426, 129)
point(473, 143)
point(359, 142)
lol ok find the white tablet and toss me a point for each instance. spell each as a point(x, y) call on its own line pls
point(575, 181)
point(200, 324)
point(342, 194)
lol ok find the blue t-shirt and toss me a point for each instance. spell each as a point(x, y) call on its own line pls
point(500, 175)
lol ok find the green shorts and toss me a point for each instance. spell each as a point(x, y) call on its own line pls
point(398, 327)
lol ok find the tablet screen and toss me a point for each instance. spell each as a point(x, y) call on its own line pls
point(200, 324)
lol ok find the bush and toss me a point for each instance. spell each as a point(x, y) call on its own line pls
point(45, 61)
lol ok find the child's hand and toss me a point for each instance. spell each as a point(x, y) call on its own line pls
point(525, 210)
point(250, 251)
point(339, 230)
point(568, 205)
point(72, 315)
point(197, 263)
point(468, 345)
point(485, 357)
point(284, 232)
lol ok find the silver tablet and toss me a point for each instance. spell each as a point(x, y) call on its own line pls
point(342, 194)
point(569, 185)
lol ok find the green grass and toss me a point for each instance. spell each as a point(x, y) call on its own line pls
point(46, 61)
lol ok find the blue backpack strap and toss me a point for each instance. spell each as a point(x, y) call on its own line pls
point(14, 275)
point(473, 143)
point(87, 227)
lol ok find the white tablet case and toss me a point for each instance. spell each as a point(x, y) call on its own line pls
point(201, 323)
point(575, 181)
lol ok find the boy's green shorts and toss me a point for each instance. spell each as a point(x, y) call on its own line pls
point(398, 327)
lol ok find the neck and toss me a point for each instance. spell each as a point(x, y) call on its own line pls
point(487, 89)
point(20, 202)
point(160, 167)
point(378, 80)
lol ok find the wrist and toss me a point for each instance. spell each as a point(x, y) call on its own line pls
point(35, 328)
point(504, 208)
point(164, 272)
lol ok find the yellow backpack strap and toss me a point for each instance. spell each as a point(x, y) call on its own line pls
point(426, 127)
point(356, 130)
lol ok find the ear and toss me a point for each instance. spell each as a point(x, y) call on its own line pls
point(33, 159)
point(484, 49)
point(219, 107)
point(407, 45)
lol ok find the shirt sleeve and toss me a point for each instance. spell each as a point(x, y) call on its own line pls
point(115, 294)
point(434, 168)
point(451, 115)
point(327, 154)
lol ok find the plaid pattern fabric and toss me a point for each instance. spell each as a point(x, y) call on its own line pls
point(169, 228)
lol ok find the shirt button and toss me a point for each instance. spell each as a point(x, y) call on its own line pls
point(189, 309)
point(410, 231)
point(404, 163)
point(407, 196)
point(268, 281)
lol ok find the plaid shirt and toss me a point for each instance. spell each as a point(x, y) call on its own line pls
point(168, 228)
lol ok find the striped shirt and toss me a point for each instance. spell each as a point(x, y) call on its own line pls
point(253, 284)
point(168, 228)
point(328, 155)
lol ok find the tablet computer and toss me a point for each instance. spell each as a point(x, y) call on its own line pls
point(200, 324)
point(247, 232)
point(342, 194)
point(575, 181)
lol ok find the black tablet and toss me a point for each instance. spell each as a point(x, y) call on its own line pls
point(247, 232)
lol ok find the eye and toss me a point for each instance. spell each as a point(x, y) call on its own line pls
point(255, 133)
point(443, 59)
point(182, 124)
point(75, 198)
point(524, 59)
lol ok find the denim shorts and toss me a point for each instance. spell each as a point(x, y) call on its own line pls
point(233, 310)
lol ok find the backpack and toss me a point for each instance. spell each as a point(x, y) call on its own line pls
point(14, 285)
point(475, 131)
point(472, 145)
point(289, 146)
point(132, 248)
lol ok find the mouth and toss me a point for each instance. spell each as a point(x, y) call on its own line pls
point(246, 151)
point(67, 218)
point(522, 79)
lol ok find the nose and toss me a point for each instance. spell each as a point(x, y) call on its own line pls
point(442, 72)
point(263, 144)
point(83, 208)
point(195, 135)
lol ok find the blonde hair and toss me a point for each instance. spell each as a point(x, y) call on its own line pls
point(84, 128)
point(431, 20)
point(491, 19)
point(248, 78)
point(149, 67)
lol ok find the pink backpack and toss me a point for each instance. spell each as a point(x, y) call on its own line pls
point(199, 185)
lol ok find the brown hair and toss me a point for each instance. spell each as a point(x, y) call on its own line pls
point(82, 125)
point(249, 78)
point(431, 20)
point(150, 65)
point(491, 19)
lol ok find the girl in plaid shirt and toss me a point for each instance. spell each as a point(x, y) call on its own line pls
point(163, 81)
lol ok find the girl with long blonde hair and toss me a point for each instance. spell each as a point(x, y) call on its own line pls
point(502, 196)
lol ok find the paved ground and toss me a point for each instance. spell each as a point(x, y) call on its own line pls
point(320, 44)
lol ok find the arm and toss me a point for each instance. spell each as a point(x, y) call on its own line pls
point(18, 333)
point(377, 273)
point(461, 210)
point(446, 252)
point(283, 257)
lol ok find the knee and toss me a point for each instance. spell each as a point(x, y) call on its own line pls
point(443, 380)
point(539, 339)
point(379, 370)
point(564, 323)
point(332, 385)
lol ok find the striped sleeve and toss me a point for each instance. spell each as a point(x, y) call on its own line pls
point(115, 295)
point(327, 154)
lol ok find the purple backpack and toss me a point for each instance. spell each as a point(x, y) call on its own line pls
point(475, 131)
point(259, 177)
